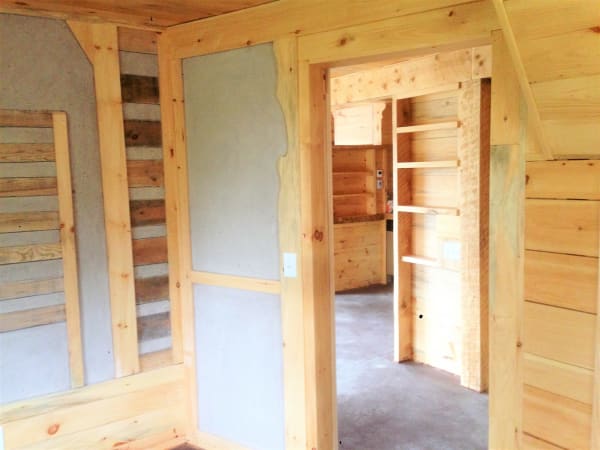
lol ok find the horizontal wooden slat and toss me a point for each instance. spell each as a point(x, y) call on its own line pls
point(573, 54)
point(559, 420)
point(573, 138)
point(560, 334)
point(562, 226)
point(142, 132)
point(28, 288)
point(27, 187)
point(28, 221)
point(153, 327)
point(26, 152)
point(147, 212)
point(139, 89)
point(552, 17)
point(442, 125)
point(29, 253)
point(428, 164)
point(31, 318)
point(561, 280)
point(149, 251)
point(234, 282)
point(18, 118)
point(428, 210)
point(138, 41)
point(559, 378)
point(357, 235)
point(151, 289)
point(155, 360)
point(572, 98)
point(563, 179)
point(54, 403)
point(145, 173)
point(532, 443)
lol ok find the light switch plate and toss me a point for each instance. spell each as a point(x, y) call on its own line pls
point(289, 265)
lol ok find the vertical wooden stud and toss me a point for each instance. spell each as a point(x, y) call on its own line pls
point(506, 247)
point(473, 154)
point(317, 256)
point(68, 245)
point(100, 42)
point(286, 53)
point(403, 302)
point(178, 223)
point(595, 434)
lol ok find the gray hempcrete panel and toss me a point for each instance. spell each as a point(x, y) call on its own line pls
point(33, 378)
point(43, 67)
point(239, 350)
point(235, 136)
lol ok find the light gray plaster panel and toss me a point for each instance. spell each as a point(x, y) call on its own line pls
point(235, 135)
point(239, 350)
point(35, 361)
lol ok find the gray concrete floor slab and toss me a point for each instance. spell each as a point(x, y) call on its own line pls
point(383, 405)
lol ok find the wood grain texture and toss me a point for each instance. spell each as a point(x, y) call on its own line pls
point(149, 251)
point(402, 194)
point(147, 212)
point(139, 89)
point(564, 179)
point(20, 118)
point(567, 281)
point(19, 320)
point(559, 334)
point(100, 42)
point(234, 282)
point(27, 187)
point(151, 289)
point(154, 326)
point(26, 152)
point(474, 154)
point(133, 13)
point(561, 421)
point(156, 360)
point(145, 173)
point(562, 226)
point(142, 133)
point(559, 378)
point(138, 41)
point(28, 221)
point(29, 288)
point(28, 253)
point(113, 414)
point(68, 247)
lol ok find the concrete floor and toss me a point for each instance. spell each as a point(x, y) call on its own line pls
point(387, 406)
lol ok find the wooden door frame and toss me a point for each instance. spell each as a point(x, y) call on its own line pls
point(317, 214)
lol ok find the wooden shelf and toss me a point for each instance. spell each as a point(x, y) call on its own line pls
point(428, 164)
point(353, 172)
point(442, 125)
point(420, 260)
point(437, 210)
point(359, 194)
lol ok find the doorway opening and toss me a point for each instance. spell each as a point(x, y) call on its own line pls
point(409, 173)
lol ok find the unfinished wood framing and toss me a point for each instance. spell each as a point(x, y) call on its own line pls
point(473, 153)
point(100, 43)
point(62, 220)
point(68, 246)
point(507, 197)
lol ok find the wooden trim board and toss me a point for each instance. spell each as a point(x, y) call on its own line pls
point(234, 282)
point(68, 245)
point(100, 42)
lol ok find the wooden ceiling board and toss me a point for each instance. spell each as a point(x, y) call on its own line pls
point(151, 14)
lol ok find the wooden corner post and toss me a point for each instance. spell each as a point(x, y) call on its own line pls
point(100, 43)
point(506, 249)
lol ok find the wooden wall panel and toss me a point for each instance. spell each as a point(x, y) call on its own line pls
point(558, 420)
point(560, 334)
point(562, 226)
point(111, 415)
